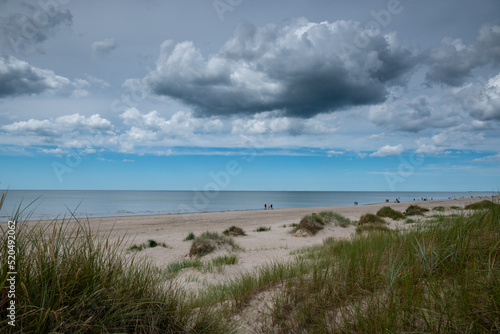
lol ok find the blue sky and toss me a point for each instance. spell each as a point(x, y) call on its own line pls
point(311, 95)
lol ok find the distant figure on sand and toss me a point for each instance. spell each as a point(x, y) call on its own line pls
point(355, 203)
point(265, 206)
point(271, 206)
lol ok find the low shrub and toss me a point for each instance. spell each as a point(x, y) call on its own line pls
point(414, 210)
point(151, 244)
point(310, 224)
point(263, 229)
point(439, 209)
point(370, 218)
point(482, 205)
point(234, 231)
point(190, 236)
point(315, 222)
point(209, 242)
point(389, 212)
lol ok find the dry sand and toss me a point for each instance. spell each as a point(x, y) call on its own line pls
point(259, 247)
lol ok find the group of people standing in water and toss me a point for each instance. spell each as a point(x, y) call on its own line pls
point(268, 206)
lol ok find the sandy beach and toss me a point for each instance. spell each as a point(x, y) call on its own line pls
point(259, 248)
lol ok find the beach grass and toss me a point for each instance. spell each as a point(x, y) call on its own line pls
point(70, 281)
point(438, 277)
point(389, 212)
point(150, 244)
point(415, 210)
point(208, 242)
point(315, 222)
point(370, 218)
point(262, 229)
point(234, 231)
point(485, 204)
point(189, 237)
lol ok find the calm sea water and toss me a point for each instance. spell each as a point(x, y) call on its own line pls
point(48, 204)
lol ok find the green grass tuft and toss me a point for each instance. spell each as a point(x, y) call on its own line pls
point(370, 218)
point(485, 204)
point(209, 242)
point(189, 237)
point(150, 244)
point(415, 210)
point(389, 212)
point(234, 231)
point(314, 222)
point(439, 209)
point(263, 229)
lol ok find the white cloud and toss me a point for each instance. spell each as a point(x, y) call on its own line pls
point(414, 115)
point(60, 126)
point(481, 100)
point(57, 151)
point(388, 150)
point(332, 153)
point(490, 158)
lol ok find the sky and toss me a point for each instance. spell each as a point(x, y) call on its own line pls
point(328, 95)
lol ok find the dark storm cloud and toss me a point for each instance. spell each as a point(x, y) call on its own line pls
point(301, 68)
point(452, 62)
point(24, 25)
point(17, 77)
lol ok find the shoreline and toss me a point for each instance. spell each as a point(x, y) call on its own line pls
point(142, 215)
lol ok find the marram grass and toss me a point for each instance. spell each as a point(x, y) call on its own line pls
point(439, 277)
point(69, 281)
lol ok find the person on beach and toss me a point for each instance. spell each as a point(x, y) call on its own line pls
point(265, 206)
point(271, 206)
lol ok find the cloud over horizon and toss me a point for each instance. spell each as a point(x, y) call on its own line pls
point(300, 68)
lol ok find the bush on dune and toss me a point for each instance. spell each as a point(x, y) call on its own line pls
point(389, 212)
point(208, 242)
point(370, 218)
point(313, 223)
point(485, 204)
point(414, 210)
point(234, 231)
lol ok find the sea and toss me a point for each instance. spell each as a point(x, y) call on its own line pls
point(50, 204)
